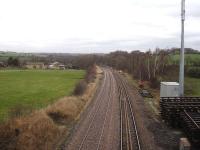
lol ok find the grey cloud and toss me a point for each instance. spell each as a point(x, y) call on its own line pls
point(148, 24)
point(194, 12)
point(191, 11)
point(106, 46)
point(193, 35)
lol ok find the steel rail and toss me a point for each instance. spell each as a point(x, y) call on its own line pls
point(93, 115)
point(133, 117)
point(123, 89)
point(191, 119)
point(104, 122)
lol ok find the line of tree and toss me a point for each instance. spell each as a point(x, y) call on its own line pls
point(142, 65)
point(14, 62)
point(150, 65)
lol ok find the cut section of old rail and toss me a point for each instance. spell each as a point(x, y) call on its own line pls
point(183, 112)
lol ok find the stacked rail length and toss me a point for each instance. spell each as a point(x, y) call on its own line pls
point(183, 112)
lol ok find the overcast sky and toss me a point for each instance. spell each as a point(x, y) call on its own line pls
point(84, 26)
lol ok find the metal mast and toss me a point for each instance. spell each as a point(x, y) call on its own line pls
point(181, 73)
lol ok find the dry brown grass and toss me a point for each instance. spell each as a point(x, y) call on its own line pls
point(65, 110)
point(43, 129)
point(36, 131)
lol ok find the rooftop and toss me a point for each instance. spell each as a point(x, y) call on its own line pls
point(170, 83)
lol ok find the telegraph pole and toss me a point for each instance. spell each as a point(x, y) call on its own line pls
point(181, 73)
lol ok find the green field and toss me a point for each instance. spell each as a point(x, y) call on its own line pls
point(35, 88)
point(189, 58)
point(192, 86)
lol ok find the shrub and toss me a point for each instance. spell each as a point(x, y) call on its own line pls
point(60, 118)
point(91, 74)
point(194, 72)
point(13, 62)
point(141, 85)
point(154, 83)
point(89, 77)
point(8, 135)
point(80, 88)
point(20, 110)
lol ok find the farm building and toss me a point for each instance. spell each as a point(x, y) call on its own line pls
point(35, 65)
point(2, 64)
point(56, 65)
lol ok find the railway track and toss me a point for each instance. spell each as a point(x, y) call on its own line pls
point(110, 122)
point(86, 139)
point(129, 137)
point(99, 125)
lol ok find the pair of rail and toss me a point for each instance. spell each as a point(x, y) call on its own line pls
point(129, 137)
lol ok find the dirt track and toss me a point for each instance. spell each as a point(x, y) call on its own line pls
point(99, 127)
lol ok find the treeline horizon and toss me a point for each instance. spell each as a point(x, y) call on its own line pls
point(187, 50)
point(152, 65)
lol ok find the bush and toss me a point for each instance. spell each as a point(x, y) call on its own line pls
point(154, 83)
point(59, 118)
point(13, 62)
point(194, 72)
point(89, 77)
point(91, 74)
point(141, 84)
point(19, 111)
point(80, 88)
